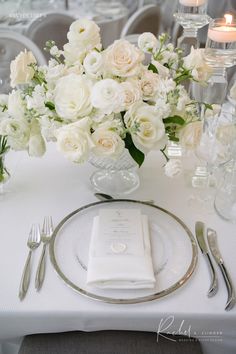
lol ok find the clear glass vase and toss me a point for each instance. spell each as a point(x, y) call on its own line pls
point(115, 177)
point(4, 173)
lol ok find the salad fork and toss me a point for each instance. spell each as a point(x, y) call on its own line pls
point(32, 243)
point(45, 237)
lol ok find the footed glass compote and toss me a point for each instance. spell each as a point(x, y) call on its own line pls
point(191, 15)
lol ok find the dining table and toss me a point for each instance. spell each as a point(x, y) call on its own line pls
point(52, 185)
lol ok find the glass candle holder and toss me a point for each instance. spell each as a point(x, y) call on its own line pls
point(221, 42)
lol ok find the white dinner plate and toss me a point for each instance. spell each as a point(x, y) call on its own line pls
point(174, 251)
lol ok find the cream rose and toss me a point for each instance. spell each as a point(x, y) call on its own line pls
point(149, 84)
point(122, 59)
point(107, 143)
point(72, 97)
point(74, 140)
point(190, 135)
point(147, 42)
point(132, 92)
point(146, 127)
point(108, 96)
point(93, 64)
point(85, 35)
point(195, 62)
point(21, 72)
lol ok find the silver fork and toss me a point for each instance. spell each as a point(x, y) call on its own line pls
point(33, 242)
point(45, 237)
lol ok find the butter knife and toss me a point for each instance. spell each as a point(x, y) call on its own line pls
point(200, 231)
point(212, 241)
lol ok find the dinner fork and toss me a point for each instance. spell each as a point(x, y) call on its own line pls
point(32, 243)
point(45, 237)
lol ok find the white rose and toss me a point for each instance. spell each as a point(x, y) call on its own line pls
point(108, 96)
point(123, 59)
point(195, 62)
point(84, 34)
point(73, 54)
point(149, 84)
point(74, 140)
point(21, 72)
point(16, 107)
point(190, 135)
point(72, 97)
point(107, 143)
point(132, 92)
point(36, 145)
point(173, 168)
point(93, 64)
point(17, 131)
point(146, 127)
point(147, 42)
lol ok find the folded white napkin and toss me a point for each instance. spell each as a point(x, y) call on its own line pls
point(119, 270)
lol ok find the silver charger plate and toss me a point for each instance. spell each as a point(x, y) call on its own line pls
point(174, 251)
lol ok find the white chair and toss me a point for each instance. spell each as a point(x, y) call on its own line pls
point(110, 30)
point(11, 44)
point(53, 26)
point(146, 19)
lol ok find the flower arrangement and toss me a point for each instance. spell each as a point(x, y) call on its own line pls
point(94, 101)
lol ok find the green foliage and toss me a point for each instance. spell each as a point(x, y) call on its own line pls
point(136, 154)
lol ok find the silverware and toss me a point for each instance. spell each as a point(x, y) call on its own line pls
point(103, 196)
point(212, 241)
point(200, 231)
point(45, 238)
point(32, 243)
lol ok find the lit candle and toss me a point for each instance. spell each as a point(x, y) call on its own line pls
point(225, 33)
point(192, 2)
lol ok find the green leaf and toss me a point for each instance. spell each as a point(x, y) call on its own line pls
point(174, 120)
point(50, 105)
point(173, 138)
point(136, 154)
point(152, 68)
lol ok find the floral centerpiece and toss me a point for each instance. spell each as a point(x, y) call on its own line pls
point(99, 102)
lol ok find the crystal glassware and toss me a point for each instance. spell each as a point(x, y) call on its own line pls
point(115, 177)
point(191, 15)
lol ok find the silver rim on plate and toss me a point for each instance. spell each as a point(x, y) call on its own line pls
point(136, 300)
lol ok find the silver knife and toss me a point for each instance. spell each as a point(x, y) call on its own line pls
point(200, 231)
point(212, 241)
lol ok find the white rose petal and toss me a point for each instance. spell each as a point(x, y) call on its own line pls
point(147, 42)
point(84, 34)
point(123, 59)
point(173, 168)
point(72, 97)
point(146, 127)
point(107, 143)
point(21, 72)
point(74, 140)
point(108, 96)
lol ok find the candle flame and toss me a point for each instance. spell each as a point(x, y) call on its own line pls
point(228, 19)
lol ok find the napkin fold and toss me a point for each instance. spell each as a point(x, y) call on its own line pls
point(118, 270)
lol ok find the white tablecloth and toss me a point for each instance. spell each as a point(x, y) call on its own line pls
point(54, 186)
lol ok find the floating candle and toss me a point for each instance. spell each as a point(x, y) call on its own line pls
point(224, 33)
point(192, 2)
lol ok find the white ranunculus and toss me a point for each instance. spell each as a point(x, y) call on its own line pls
point(16, 107)
point(84, 34)
point(93, 64)
point(196, 62)
point(132, 92)
point(190, 135)
point(36, 145)
point(72, 97)
point(74, 140)
point(122, 59)
point(149, 84)
point(21, 72)
point(17, 132)
point(146, 127)
point(173, 168)
point(73, 54)
point(107, 95)
point(147, 42)
point(107, 143)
